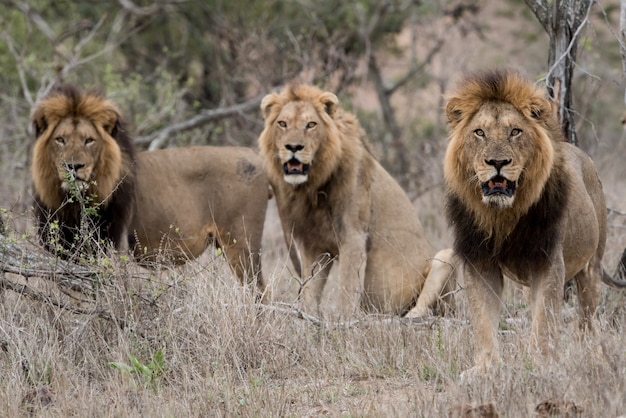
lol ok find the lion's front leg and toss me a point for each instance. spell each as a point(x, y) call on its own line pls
point(350, 283)
point(484, 290)
point(546, 300)
point(315, 270)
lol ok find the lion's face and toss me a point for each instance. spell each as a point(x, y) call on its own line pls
point(299, 133)
point(500, 149)
point(500, 152)
point(78, 146)
point(300, 137)
point(75, 146)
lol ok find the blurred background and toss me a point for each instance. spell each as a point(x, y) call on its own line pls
point(193, 72)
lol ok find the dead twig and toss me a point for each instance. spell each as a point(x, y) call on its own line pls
point(425, 323)
point(33, 262)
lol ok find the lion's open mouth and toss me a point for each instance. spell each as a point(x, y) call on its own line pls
point(294, 166)
point(498, 185)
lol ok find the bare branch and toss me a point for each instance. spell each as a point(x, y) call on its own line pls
point(147, 10)
point(34, 16)
point(425, 323)
point(541, 11)
point(157, 139)
point(417, 69)
point(622, 39)
point(8, 40)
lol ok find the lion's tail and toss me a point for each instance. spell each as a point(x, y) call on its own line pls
point(618, 280)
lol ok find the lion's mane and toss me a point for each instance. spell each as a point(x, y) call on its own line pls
point(112, 187)
point(542, 193)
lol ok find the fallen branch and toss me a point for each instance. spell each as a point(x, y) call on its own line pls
point(426, 322)
point(30, 261)
point(34, 262)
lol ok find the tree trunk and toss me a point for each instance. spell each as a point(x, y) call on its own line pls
point(400, 152)
point(563, 20)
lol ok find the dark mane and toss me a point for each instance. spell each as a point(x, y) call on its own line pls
point(531, 243)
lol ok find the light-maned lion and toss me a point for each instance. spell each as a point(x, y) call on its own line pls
point(338, 202)
point(521, 202)
point(82, 170)
point(194, 197)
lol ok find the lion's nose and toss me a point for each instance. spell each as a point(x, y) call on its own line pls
point(498, 164)
point(73, 166)
point(294, 148)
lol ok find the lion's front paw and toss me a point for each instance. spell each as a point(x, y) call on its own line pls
point(479, 371)
point(471, 375)
point(419, 312)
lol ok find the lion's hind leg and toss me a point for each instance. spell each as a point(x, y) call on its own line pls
point(244, 259)
point(439, 280)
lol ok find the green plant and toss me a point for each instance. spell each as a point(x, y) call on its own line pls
point(149, 374)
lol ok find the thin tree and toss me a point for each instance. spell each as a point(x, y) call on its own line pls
point(563, 20)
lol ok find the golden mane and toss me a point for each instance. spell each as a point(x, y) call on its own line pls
point(69, 102)
point(500, 88)
point(344, 137)
point(94, 151)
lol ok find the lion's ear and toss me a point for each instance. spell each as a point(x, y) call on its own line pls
point(112, 124)
point(267, 103)
point(453, 113)
point(40, 123)
point(540, 109)
point(113, 129)
point(330, 102)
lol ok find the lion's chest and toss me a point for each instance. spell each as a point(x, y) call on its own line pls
point(528, 248)
point(313, 221)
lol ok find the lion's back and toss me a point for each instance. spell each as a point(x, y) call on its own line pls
point(190, 191)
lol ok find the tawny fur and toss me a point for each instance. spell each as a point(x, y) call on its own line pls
point(84, 129)
point(172, 204)
point(339, 203)
point(552, 229)
point(194, 197)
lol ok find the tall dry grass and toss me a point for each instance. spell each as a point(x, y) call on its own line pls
point(225, 355)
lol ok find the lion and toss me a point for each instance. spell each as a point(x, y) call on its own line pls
point(338, 202)
point(523, 203)
point(190, 198)
point(166, 206)
point(82, 170)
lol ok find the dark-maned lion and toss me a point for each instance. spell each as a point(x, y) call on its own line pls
point(172, 204)
point(523, 203)
point(190, 198)
point(338, 202)
point(82, 170)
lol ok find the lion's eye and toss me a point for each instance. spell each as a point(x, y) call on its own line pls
point(282, 123)
point(311, 125)
point(60, 140)
point(479, 132)
point(515, 132)
point(89, 141)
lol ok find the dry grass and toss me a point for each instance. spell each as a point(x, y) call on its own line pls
point(224, 355)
